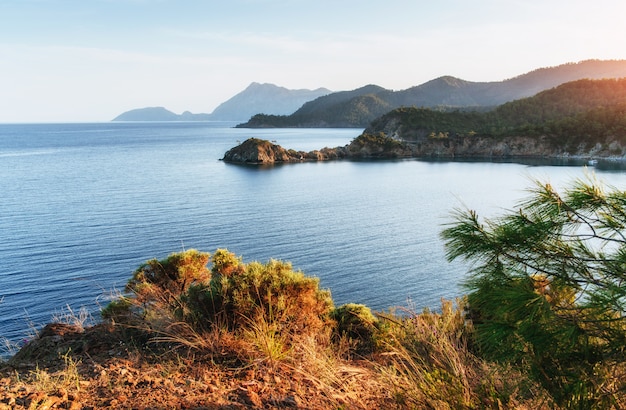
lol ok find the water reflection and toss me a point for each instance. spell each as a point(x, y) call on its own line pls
point(600, 164)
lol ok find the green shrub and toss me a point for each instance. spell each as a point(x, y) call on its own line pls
point(170, 277)
point(358, 325)
point(117, 309)
point(239, 293)
point(156, 288)
point(231, 307)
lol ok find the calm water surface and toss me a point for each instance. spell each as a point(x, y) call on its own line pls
point(83, 205)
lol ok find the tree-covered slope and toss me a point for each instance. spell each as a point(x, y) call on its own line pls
point(583, 110)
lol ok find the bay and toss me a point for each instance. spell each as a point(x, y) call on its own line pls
point(83, 205)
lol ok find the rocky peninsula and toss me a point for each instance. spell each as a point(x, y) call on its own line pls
point(366, 146)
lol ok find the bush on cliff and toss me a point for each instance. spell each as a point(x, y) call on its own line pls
point(239, 294)
point(167, 279)
point(262, 330)
point(358, 326)
point(157, 285)
point(179, 295)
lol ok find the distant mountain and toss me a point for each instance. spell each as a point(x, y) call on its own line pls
point(256, 98)
point(453, 92)
point(264, 98)
point(147, 114)
point(340, 109)
point(159, 114)
point(359, 107)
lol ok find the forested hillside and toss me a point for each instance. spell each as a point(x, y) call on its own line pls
point(583, 110)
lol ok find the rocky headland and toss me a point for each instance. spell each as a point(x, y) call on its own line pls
point(256, 151)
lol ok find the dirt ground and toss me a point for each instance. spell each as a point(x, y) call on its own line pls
point(68, 368)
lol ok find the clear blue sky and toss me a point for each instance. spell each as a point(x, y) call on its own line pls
point(90, 60)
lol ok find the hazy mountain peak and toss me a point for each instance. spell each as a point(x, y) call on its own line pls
point(451, 81)
point(256, 98)
point(265, 98)
point(147, 114)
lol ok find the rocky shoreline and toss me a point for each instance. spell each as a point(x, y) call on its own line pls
point(381, 146)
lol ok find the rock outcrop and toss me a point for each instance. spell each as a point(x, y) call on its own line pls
point(259, 152)
point(484, 147)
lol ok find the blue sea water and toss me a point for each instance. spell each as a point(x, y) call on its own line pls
point(83, 205)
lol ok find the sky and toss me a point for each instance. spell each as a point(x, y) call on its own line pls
point(91, 60)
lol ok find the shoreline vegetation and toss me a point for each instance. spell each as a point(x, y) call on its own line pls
point(542, 327)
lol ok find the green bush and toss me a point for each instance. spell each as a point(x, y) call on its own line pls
point(231, 295)
point(239, 293)
point(156, 287)
point(167, 279)
point(358, 325)
point(117, 309)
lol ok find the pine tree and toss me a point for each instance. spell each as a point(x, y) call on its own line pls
point(548, 287)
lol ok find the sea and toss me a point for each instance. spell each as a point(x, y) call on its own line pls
point(82, 205)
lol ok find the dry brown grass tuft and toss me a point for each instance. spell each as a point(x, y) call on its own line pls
point(428, 365)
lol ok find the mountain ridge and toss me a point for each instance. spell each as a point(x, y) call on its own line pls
point(271, 106)
point(255, 98)
point(445, 93)
point(265, 98)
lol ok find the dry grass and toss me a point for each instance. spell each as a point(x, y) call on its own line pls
point(186, 367)
point(44, 389)
point(68, 378)
point(427, 364)
point(81, 318)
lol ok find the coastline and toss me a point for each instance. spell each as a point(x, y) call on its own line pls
point(256, 151)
